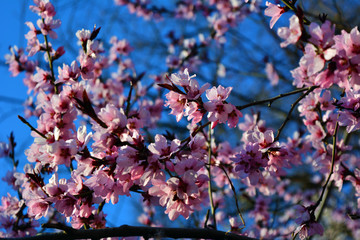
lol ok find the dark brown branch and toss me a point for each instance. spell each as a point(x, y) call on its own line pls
point(146, 232)
point(271, 100)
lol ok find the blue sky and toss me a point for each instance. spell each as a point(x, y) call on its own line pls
point(12, 90)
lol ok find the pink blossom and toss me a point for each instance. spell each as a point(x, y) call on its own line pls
point(67, 73)
point(251, 121)
point(193, 113)
point(161, 147)
point(322, 37)
point(182, 79)
point(349, 106)
point(347, 58)
point(180, 195)
point(47, 25)
point(233, 117)
point(33, 45)
point(218, 94)
point(221, 26)
point(218, 111)
point(273, 11)
point(121, 47)
point(264, 139)
point(185, 11)
point(44, 8)
point(10, 205)
point(249, 161)
point(113, 117)
point(19, 62)
point(86, 67)
point(317, 133)
point(4, 149)
point(177, 103)
point(309, 229)
point(83, 36)
point(271, 74)
point(292, 33)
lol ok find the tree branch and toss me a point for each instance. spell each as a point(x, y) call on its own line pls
point(146, 232)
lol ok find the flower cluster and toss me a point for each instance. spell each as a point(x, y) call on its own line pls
point(98, 134)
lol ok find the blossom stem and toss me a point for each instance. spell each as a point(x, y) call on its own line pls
point(331, 168)
point(292, 7)
point(101, 205)
point(235, 197)
point(208, 167)
point(129, 99)
point(50, 61)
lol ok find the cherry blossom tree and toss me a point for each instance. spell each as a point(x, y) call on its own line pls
point(218, 133)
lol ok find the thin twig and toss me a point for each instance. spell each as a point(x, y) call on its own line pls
point(290, 111)
point(210, 184)
point(271, 100)
point(313, 208)
point(31, 127)
point(50, 61)
point(235, 197)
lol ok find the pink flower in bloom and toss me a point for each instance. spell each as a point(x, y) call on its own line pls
point(33, 44)
point(43, 80)
point(161, 147)
point(273, 11)
point(10, 205)
point(271, 74)
point(349, 111)
point(347, 59)
point(193, 113)
point(119, 47)
point(83, 36)
point(86, 67)
point(323, 38)
point(47, 25)
point(4, 149)
point(177, 103)
point(83, 137)
point(68, 73)
point(188, 101)
point(193, 90)
point(233, 116)
point(180, 195)
point(249, 162)
point(19, 62)
point(251, 121)
point(61, 152)
point(114, 118)
point(218, 110)
point(292, 33)
point(317, 133)
point(308, 226)
point(220, 26)
point(264, 139)
point(44, 8)
point(182, 79)
point(218, 94)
